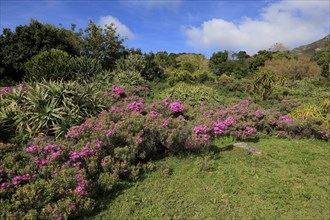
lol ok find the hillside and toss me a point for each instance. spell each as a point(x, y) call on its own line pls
point(310, 49)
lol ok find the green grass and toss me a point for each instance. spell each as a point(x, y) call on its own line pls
point(289, 180)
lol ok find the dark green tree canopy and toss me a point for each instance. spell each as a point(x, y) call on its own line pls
point(322, 58)
point(241, 56)
point(218, 62)
point(19, 46)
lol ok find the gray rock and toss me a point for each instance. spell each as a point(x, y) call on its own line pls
point(247, 147)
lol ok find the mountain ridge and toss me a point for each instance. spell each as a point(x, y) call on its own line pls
point(312, 48)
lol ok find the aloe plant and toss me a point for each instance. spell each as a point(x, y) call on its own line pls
point(48, 107)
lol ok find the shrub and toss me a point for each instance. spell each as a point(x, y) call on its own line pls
point(294, 69)
point(141, 91)
point(311, 87)
point(192, 62)
point(103, 79)
point(49, 65)
point(179, 75)
point(202, 76)
point(191, 94)
point(129, 78)
point(229, 83)
point(133, 63)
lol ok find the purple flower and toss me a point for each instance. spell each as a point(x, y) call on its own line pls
point(16, 179)
point(138, 140)
point(165, 123)
point(259, 114)
point(218, 131)
point(98, 143)
point(206, 137)
point(223, 113)
point(229, 121)
point(201, 129)
point(119, 91)
point(56, 154)
point(286, 119)
point(31, 149)
point(4, 185)
point(176, 107)
point(73, 207)
point(166, 101)
point(75, 155)
point(108, 133)
point(324, 134)
point(136, 107)
point(5, 90)
point(153, 114)
point(221, 125)
point(250, 130)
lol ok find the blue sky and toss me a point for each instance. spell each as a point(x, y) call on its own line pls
point(185, 25)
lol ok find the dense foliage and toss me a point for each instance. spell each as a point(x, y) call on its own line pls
point(91, 113)
point(17, 47)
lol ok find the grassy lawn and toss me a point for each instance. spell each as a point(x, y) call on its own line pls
point(289, 180)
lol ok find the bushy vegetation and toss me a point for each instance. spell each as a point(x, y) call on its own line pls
point(49, 65)
point(84, 120)
point(294, 69)
point(47, 108)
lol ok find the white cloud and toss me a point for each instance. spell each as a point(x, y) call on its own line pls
point(292, 23)
point(122, 29)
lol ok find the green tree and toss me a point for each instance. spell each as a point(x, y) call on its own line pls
point(241, 56)
point(151, 70)
point(19, 46)
point(192, 62)
point(103, 44)
point(259, 59)
point(218, 63)
point(322, 58)
point(165, 61)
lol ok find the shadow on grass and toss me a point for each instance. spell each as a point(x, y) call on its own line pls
point(104, 200)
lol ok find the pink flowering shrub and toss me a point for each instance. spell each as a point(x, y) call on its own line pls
point(61, 180)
